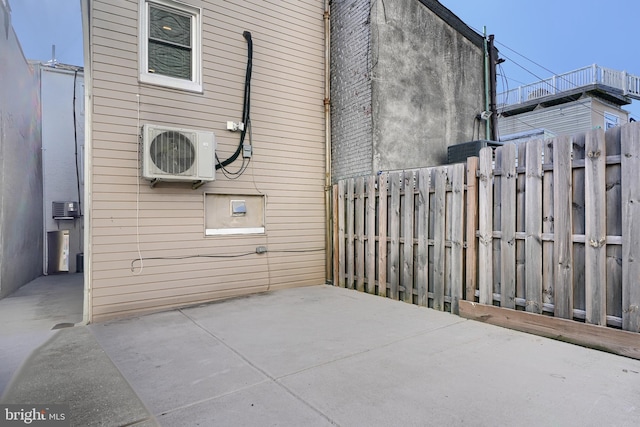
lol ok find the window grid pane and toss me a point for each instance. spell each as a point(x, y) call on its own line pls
point(169, 60)
point(170, 27)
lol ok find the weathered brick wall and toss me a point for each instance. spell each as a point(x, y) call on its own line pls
point(350, 89)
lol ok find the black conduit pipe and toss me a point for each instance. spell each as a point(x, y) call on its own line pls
point(246, 104)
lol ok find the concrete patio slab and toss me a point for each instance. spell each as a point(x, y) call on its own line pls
point(71, 368)
point(348, 358)
point(312, 326)
point(324, 356)
point(28, 315)
point(263, 404)
point(171, 362)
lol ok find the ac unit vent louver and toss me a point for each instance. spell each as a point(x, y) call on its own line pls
point(177, 154)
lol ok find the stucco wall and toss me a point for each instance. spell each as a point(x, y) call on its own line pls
point(351, 130)
point(427, 86)
point(405, 84)
point(20, 163)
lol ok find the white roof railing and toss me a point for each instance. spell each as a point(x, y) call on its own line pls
point(627, 84)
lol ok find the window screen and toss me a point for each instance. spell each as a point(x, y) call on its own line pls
point(170, 47)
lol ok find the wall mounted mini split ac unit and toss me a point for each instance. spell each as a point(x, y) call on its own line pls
point(177, 154)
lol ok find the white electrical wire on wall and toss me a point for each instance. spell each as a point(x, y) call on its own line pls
point(139, 135)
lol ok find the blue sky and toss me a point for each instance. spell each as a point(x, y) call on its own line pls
point(560, 35)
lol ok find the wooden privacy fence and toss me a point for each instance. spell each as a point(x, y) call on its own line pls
point(401, 235)
point(545, 226)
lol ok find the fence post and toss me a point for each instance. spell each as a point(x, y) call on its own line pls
point(457, 235)
point(341, 236)
point(563, 228)
point(547, 222)
point(359, 220)
point(394, 234)
point(439, 179)
point(350, 261)
point(336, 238)
point(614, 223)
point(371, 234)
point(382, 234)
point(471, 275)
point(508, 227)
point(423, 237)
point(595, 229)
point(407, 232)
point(485, 226)
point(533, 227)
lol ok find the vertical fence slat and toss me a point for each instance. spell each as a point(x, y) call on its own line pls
point(577, 205)
point(341, 235)
point(394, 234)
point(335, 234)
point(371, 234)
point(497, 214)
point(631, 228)
point(485, 227)
point(563, 242)
point(350, 233)
point(520, 222)
point(382, 234)
point(423, 237)
point(533, 227)
point(457, 235)
point(547, 225)
point(359, 220)
point(439, 179)
point(508, 227)
point(407, 265)
point(614, 224)
point(471, 276)
point(595, 229)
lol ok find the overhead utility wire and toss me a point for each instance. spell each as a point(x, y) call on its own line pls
point(601, 114)
point(544, 68)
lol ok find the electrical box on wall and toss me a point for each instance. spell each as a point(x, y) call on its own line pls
point(65, 210)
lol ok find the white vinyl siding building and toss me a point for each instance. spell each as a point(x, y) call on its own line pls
point(569, 118)
point(166, 225)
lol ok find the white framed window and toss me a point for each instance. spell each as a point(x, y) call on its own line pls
point(610, 121)
point(170, 44)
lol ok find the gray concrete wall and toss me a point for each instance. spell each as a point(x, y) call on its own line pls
point(427, 85)
point(20, 165)
point(59, 148)
point(351, 130)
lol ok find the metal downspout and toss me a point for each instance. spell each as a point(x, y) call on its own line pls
point(85, 7)
point(486, 82)
point(327, 133)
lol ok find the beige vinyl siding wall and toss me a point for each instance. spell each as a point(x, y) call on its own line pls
point(168, 221)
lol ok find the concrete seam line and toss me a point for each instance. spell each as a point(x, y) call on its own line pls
point(275, 380)
point(387, 344)
point(208, 399)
